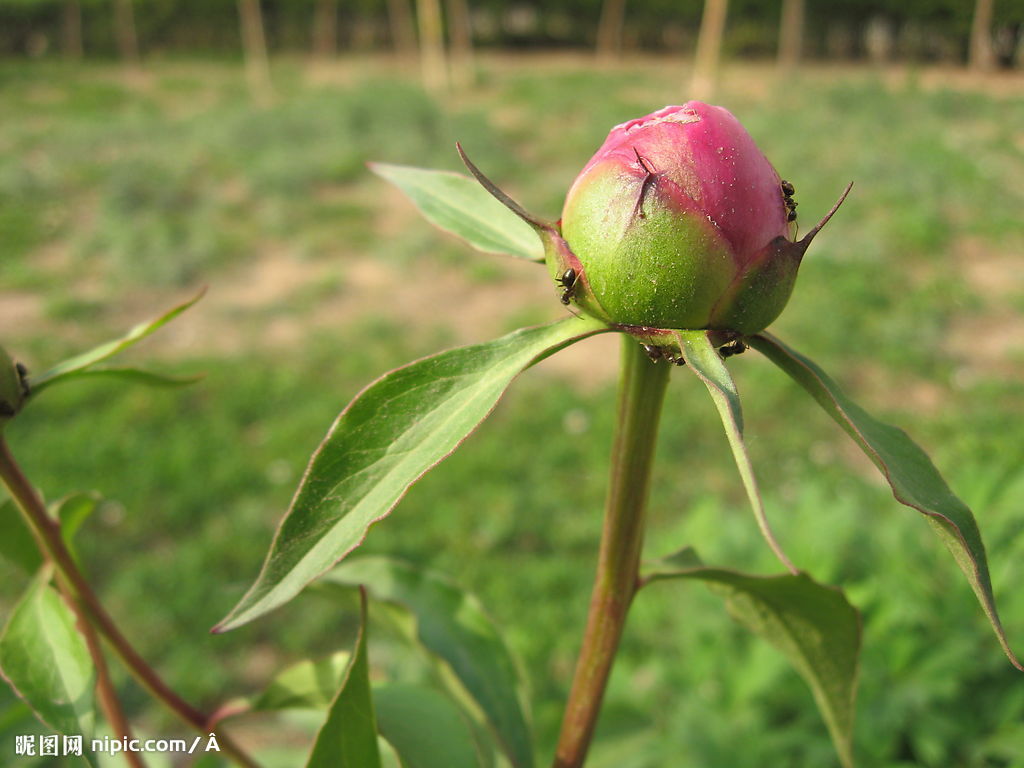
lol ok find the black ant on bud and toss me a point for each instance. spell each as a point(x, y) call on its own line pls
point(656, 353)
point(788, 190)
point(568, 283)
point(736, 347)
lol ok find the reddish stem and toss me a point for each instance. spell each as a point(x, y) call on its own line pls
point(47, 532)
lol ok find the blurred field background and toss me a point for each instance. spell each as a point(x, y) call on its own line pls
point(125, 184)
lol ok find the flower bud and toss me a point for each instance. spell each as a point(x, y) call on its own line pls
point(679, 222)
point(12, 387)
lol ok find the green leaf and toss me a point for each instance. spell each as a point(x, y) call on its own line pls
point(452, 625)
point(394, 432)
point(457, 204)
point(17, 545)
point(75, 366)
point(388, 756)
point(425, 727)
point(914, 479)
point(813, 625)
point(46, 660)
point(138, 376)
point(309, 684)
point(348, 738)
point(72, 511)
point(703, 359)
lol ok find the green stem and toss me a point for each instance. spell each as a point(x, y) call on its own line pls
point(47, 532)
point(641, 393)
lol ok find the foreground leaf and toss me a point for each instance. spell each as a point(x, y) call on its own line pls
point(17, 545)
point(703, 359)
point(425, 728)
point(78, 364)
point(16, 542)
point(457, 204)
point(46, 660)
point(451, 624)
point(813, 625)
point(348, 738)
point(395, 431)
point(914, 479)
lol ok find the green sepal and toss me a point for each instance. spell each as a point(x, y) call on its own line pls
point(706, 363)
point(760, 293)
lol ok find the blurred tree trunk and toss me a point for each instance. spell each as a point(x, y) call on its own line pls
point(325, 29)
point(432, 55)
point(460, 32)
point(127, 39)
point(71, 30)
point(609, 30)
point(982, 58)
point(403, 34)
point(791, 34)
point(709, 49)
point(254, 46)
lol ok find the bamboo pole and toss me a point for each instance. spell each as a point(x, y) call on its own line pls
point(791, 34)
point(254, 46)
point(433, 63)
point(709, 48)
point(982, 57)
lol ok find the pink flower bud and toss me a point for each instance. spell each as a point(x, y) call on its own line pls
point(679, 222)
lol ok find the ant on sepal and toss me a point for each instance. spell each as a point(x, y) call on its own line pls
point(568, 283)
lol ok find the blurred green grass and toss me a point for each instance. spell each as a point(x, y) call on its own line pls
point(117, 197)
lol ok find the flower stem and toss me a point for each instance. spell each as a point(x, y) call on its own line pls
point(47, 532)
point(641, 393)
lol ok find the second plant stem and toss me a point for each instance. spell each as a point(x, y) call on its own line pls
point(641, 394)
point(48, 533)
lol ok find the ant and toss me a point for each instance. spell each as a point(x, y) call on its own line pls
point(736, 347)
point(568, 283)
point(656, 353)
point(788, 190)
